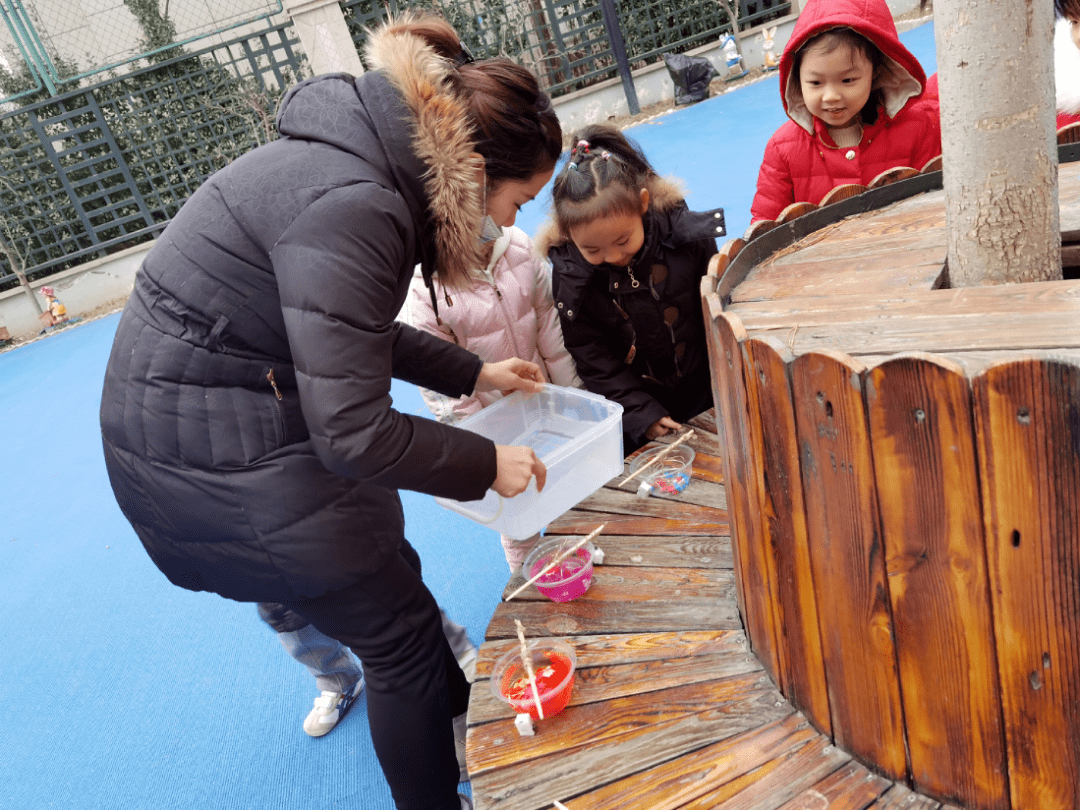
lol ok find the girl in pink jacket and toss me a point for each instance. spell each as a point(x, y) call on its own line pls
point(505, 311)
point(854, 95)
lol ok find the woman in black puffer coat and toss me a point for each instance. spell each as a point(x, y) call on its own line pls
point(248, 429)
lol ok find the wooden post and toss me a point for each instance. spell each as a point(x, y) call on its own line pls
point(996, 82)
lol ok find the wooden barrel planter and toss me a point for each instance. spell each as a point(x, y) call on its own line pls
point(902, 463)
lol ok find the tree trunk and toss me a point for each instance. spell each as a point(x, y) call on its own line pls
point(996, 76)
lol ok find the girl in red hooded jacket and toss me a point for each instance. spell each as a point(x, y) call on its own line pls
point(854, 95)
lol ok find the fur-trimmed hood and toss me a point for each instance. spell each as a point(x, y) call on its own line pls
point(665, 193)
point(423, 130)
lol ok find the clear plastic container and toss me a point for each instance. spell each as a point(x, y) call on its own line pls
point(576, 434)
point(553, 662)
point(569, 579)
point(670, 475)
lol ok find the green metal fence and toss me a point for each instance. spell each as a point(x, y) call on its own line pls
point(572, 44)
point(98, 168)
point(64, 41)
point(89, 172)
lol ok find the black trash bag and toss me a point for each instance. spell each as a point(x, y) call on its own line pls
point(691, 76)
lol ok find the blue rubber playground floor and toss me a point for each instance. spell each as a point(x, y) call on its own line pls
point(119, 691)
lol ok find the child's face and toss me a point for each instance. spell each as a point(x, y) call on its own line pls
point(612, 239)
point(837, 85)
point(1073, 16)
point(506, 198)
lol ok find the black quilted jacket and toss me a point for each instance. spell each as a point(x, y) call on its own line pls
point(248, 429)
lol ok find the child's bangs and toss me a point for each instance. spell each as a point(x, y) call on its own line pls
point(1067, 9)
point(611, 201)
point(832, 40)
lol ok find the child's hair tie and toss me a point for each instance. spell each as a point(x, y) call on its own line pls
point(605, 155)
point(583, 144)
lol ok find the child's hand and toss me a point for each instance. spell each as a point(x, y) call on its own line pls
point(510, 375)
point(662, 427)
point(516, 467)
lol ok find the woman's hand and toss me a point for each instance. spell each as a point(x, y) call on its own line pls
point(510, 375)
point(662, 427)
point(516, 467)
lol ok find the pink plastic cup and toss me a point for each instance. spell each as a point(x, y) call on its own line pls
point(567, 580)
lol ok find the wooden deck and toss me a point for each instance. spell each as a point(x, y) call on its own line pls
point(876, 284)
point(670, 708)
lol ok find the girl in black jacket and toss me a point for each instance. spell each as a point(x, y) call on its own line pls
point(627, 258)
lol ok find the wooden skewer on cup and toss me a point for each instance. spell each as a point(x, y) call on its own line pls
point(659, 457)
point(526, 659)
point(558, 559)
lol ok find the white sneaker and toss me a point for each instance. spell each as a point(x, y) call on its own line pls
point(329, 709)
point(466, 802)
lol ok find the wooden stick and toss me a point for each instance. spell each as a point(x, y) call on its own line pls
point(659, 457)
point(526, 659)
point(558, 559)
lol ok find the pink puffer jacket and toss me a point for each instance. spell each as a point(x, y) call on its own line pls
point(507, 312)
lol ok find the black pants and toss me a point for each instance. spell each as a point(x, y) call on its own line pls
point(415, 687)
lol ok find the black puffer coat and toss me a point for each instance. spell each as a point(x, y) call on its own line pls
point(248, 428)
point(642, 347)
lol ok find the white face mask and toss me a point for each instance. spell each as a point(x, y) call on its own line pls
point(489, 231)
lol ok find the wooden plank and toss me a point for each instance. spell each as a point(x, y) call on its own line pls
point(1038, 299)
point(900, 797)
point(670, 785)
point(615, 583)
point(625, 648)
point(844, 192)
point(1029, 442)
point(936, 333)
point(581, 521)
point(858, 238)
point(857, 277)
point(892, 175)
point(925, 464)
point(674, 551)
point(496, 744)
point(598, 683)
point(742, 480)
point(599, 743)
point(847, 560)
point(850, 787)
point(625, 501)
point(785, 524)
point(585, 616)
point(771, 785)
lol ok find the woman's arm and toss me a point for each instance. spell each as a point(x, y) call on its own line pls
point(338, 285)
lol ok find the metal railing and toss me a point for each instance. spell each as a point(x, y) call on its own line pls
point(92, 171)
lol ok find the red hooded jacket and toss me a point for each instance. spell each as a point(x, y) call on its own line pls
point(802, 162)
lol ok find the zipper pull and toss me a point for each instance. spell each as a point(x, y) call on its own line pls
point(495, 287)
point(273, 384)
